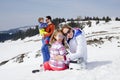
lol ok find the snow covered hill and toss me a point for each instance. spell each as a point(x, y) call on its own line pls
point(19, 58)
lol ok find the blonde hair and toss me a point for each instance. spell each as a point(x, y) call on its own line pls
point(52, 39)
point(40, 18)
point(65, 26)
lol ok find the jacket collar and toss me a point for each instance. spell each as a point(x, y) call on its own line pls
point(76, 32)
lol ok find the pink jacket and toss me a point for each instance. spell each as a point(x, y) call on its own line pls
point(57, 49)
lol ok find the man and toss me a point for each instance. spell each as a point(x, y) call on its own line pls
point(46, 37)
point(77, 45)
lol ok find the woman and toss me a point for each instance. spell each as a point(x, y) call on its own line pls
point(77, 45)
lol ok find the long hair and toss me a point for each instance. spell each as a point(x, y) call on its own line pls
point(66, 26)
point(52, 39)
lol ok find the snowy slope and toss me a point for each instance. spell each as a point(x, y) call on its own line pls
point(10, 48)
point(103, 57)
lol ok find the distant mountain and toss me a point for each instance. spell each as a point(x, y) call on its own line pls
point(12, 31)
point(17, 33)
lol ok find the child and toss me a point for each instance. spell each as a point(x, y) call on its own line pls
point(45, 40)
point(57, 60)
point(42, 26)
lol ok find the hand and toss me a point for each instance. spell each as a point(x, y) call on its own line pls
point(44, 36)
point(59, 58)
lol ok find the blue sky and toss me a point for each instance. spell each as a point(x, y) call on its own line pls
point(18, 13)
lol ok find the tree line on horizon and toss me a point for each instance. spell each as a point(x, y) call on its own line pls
point(21, 34)
point(34, 31)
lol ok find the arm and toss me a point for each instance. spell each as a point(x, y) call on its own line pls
point(52, 27)
point(62, 53)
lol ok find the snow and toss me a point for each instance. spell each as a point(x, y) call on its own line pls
point(103, 59)
point(13, 48)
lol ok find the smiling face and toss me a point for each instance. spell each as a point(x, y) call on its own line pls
point(68, 33)
point(47, 20)
point(59, 37)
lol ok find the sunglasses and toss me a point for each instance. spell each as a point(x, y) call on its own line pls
point(68, 32)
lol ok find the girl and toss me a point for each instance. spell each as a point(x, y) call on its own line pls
point(57, 60)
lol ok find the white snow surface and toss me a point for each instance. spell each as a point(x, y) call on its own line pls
point(103, 59)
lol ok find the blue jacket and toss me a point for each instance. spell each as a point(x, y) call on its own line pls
point(42, 25)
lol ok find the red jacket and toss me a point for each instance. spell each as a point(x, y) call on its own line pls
point(50, 29)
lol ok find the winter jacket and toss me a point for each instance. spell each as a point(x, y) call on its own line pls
point(57, 49)
point(41, 28)
point(42, 25)
point(49, 29)
point(77, 45)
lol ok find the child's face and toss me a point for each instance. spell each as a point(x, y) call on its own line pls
point(59, 37)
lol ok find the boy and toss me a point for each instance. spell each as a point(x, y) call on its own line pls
point(42, 26)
